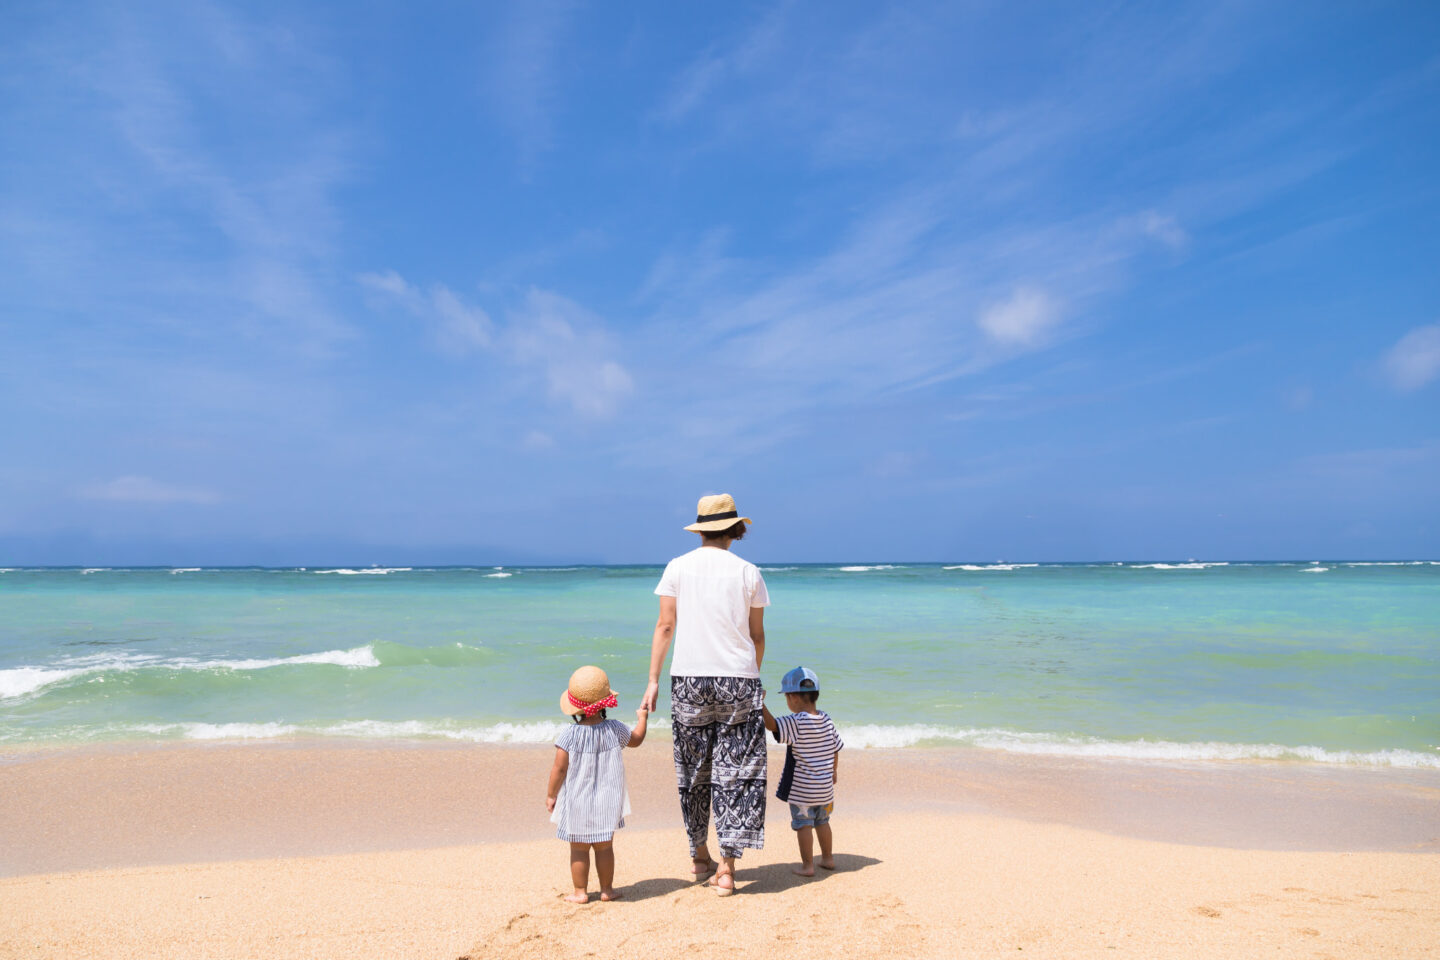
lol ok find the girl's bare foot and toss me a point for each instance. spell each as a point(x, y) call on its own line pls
point(703, 868)
point(804, 870)
point(607, 895)
point(827, 863)
point(579, 896)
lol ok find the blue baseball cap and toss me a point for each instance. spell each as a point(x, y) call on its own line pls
point(800, 680)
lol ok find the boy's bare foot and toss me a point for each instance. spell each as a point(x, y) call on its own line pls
point(804, 870)
point(827, 863)
point(577, 897)
point(607, 895)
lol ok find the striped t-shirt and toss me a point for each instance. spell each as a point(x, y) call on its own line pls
point(809, 777)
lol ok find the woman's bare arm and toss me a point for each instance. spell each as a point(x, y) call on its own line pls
point(659, 647)
point(757, 633)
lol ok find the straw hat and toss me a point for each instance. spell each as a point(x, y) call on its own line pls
point(587, 685)
point(716, 513)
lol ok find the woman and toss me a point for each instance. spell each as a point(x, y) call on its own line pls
point(712, 605)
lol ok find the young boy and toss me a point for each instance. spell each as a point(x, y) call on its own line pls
point(812, 760)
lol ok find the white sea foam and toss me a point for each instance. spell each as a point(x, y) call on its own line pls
point(1316, 569)
point(221, 731)
point(539, 731)
point(1378, 563)
point(991, 566)
point(8, 569)
point(186, 570)
point(1012, 741)
point(878, 566)
point(777, 569)
point(21, 681)
point(358, 657)
point(381, 571)
point(1189, 565)
point(500, 574)
point(89, 570)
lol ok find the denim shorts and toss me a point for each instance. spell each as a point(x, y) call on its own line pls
point(802, 817)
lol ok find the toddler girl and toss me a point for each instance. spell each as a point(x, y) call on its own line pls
point(587, 797)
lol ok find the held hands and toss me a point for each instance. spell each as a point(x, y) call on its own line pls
point(641, 712)
point(652, 696)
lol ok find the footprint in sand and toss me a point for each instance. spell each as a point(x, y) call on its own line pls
point(1207, 911)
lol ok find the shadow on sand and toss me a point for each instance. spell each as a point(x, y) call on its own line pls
point(770, 878)
point(774, 877)
point(659, 887)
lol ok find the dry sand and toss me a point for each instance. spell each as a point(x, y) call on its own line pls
point(941, 853)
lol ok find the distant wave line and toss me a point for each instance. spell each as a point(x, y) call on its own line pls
point(856, 736)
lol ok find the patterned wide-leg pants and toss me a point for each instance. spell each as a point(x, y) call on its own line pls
point(719, 736)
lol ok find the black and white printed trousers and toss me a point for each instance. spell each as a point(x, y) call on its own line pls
point(719, 736)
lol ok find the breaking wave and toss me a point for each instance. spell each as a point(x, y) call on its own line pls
point(23, 681)
point(1044, 744)
point(351, 571)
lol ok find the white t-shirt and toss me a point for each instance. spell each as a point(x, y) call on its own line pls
point(714, 591)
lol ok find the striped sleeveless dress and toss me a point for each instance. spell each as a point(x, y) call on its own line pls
point(593, 800)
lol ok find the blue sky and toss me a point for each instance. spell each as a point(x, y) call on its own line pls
point(484, 283)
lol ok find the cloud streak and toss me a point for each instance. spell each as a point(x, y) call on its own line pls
point(457, 328)
point(1414, 361)
point(569, 346)
point(140, 489)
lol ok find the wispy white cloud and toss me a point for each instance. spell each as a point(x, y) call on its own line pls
point(1373, 463)
point(709, 71)
point(1025, 318)
point(167, 218)
point(139, 489)
point(570, 345)
point(457, 327)
point(902, 302)
point(520, 80)
point(1164, 228)
point(1415, 360)
point(538, 440)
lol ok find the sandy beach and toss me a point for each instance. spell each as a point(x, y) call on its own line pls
point(369, 850)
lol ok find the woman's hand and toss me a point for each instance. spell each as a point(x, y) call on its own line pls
point(652, 696)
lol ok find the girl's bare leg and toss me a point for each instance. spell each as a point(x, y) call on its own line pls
point(605, 868)
point(580, 872)
point(827, 851)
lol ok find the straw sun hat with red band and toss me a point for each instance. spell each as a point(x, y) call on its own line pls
point(716, 513)
point(589, 692)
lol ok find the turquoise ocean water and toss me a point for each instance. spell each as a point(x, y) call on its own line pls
point(1332, 661)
